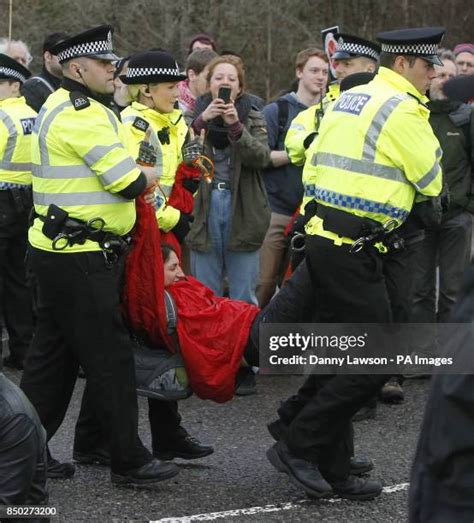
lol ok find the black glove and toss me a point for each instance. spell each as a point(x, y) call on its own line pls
point(191, 150)
point(429, 212)
point(146, 154)
point(181, 229)
point(191, 184)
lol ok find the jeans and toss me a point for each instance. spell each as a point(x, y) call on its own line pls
point(210, 268)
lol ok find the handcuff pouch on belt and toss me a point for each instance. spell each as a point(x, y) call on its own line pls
point(297, 234)
point(66, 232)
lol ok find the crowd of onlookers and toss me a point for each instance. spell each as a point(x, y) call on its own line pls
point(248, 227)
point(236, 240)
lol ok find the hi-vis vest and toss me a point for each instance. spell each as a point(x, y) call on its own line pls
point(170, 133)
point(16, 126)
point(304, 124)
point(80, 163)
point(375, 151)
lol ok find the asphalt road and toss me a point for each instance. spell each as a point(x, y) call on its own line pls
point(237, 483)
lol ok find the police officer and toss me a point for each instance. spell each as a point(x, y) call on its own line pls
point(375, 153)
point(16, 125)
point(353, 55)
point(152, 77)
point(84, 185)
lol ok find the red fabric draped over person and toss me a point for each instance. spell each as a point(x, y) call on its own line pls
point(181, 199)
point(212, 331)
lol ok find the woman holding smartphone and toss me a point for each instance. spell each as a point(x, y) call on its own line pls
point(231, 215)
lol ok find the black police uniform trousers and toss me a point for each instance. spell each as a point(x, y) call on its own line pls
point(80, 323)
point(15, 296)
point(348, 288)
point(23, 464)
point(165, 424)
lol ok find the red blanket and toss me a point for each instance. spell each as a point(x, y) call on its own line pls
point(212, 331)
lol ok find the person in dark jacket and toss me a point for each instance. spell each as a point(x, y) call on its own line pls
point(22, 450)
point(447, 244)
point(37, 88)
point(231, 214)
point(442, 477)
point(283, 179)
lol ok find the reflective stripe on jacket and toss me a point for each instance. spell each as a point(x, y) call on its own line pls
point(80, 163)
point(169, 155)
point(375, 151)
point(16, 126)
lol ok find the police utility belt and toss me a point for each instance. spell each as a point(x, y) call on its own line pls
point(365, 231)
point(66, 232)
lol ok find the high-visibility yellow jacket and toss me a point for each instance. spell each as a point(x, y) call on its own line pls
point(169, 154)
point(16, 125)
point(80, 162)
point(375, 151)
point(306, 123)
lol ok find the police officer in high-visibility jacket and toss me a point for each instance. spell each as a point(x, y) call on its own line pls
point(153, 77)
point(352, 55)
point(375, 153)
point(84, 186)
point(16, 125)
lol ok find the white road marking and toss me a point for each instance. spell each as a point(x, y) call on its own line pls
point(211, 516)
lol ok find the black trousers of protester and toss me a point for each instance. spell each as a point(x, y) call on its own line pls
point(22, 451)
point(348, 288)
point(164, 417)
point(15, 295)
point(79, 322)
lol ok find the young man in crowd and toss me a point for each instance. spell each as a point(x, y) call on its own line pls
point(283, 179)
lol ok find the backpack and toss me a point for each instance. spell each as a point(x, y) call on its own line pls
point(160, 374)
point(282, 106)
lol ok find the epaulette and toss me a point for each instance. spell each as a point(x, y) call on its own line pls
point(418, 100)
point(79, 100)
point(140, 124)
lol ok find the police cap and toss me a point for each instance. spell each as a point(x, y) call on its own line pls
point(152, 67)
point(93, 43)
point(349, 46)
point(422, 42)
point(10, 69)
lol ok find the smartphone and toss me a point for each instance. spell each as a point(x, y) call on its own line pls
point(224, 93)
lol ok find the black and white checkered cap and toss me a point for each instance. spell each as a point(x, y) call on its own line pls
point(11, 69)
point(133, 72)
point(349, 46)
point(422, 42)
point(152, 67)
point(6, 72)
point(94, 43)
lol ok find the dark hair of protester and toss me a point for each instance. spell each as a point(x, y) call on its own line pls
point(204, 39)
point(53, 39)
point(228, 59)
point(198, 60)
point(166, 250)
